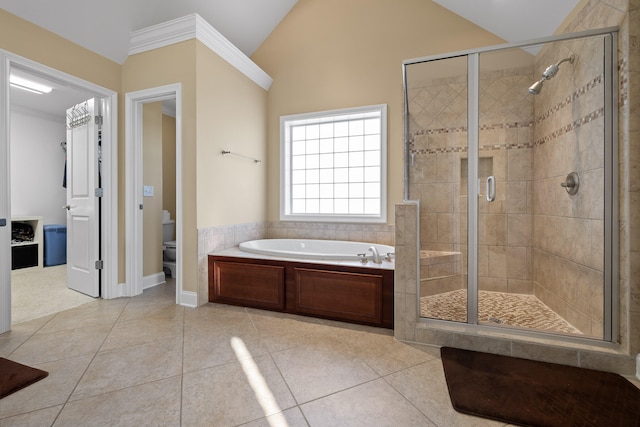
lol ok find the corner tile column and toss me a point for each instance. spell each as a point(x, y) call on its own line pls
point(406, 270)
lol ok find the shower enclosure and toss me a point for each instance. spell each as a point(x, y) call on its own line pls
point(511, 152)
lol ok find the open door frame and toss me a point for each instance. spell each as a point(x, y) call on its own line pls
point(110, 288)
point(134, 185)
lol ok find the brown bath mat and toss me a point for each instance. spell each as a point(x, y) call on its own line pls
point(15, 376)
point(530, 393)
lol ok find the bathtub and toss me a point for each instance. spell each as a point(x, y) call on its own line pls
point(318, 278)
point(335, 250)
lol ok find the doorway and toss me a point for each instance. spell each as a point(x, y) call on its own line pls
point(135, 186)
point(69, 90)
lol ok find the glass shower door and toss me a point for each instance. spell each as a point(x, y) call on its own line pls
point(511, 153)
point(437, 130)
point(505, 170)
point(541, 210)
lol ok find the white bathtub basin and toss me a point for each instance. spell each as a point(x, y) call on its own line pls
point(314, 249)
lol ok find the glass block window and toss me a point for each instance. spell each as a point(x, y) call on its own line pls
point(334, 165)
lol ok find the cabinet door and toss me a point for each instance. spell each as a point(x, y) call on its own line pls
point(252, 285)
point(339, 295)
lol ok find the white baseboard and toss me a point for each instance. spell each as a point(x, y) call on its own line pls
point(153, 280)
point(189, 299)
point(118, 292)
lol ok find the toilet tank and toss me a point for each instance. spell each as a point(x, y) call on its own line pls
point(168, 228)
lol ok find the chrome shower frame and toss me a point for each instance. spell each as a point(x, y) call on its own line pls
point(611, 199)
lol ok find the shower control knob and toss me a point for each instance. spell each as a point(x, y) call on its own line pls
point(571, 183)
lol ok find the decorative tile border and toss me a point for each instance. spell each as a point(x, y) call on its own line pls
point(549, 113)
point(623, 82)
point(570, 127)
point(569, 99)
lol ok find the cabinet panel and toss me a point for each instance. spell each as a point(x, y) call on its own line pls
point(23, 256)
point(348, 296)
point(24, 253)
point(259, 286)
point(346, 293)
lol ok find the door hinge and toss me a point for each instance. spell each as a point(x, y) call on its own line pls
point(99, 120)
point(99, 192)
point(99, 264)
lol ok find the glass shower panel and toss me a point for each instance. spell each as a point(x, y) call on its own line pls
point(437, 135)
point(541, 231)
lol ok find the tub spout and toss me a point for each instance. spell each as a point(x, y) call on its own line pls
point(376, 255)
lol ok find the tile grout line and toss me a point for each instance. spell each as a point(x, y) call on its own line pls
point(279, 371)
point(89, 364)
point(405, 397)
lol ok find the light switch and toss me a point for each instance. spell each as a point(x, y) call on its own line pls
point(147, 191)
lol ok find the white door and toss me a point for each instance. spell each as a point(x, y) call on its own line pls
point(82, 202)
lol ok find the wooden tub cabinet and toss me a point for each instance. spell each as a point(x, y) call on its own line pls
point(338, 292)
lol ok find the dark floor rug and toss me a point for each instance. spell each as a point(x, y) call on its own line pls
point(530, 393)
point(15, 376)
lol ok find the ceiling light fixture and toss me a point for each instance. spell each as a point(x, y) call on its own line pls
point(28, 85)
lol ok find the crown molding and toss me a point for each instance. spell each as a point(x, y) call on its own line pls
point(194, 26)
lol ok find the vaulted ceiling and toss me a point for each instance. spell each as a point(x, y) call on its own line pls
point(105, 26)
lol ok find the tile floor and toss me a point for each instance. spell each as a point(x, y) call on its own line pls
point(145, 361)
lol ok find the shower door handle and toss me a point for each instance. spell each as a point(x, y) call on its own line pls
point(491, 188)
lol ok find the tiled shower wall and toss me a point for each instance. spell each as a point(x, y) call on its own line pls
point(213, 239)
point(569, 229)
point(438, 178)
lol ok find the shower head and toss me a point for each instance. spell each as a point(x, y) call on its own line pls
point(535, 88)
point(548, 74)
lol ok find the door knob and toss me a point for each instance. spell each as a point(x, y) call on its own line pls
point(67, 207)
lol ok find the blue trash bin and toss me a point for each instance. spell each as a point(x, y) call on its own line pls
point(55, 244)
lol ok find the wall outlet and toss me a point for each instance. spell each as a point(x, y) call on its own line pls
point(147, 191)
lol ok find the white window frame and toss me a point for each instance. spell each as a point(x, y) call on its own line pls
point(286, 122)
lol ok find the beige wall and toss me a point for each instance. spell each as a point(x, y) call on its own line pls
point(169, 165)
point(30, 41)
point(231, 116)
point(329, 54)
point(152, 176)
point(226, 112)
point(158, 67)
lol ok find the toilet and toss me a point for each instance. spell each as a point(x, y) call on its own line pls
point(168, 245)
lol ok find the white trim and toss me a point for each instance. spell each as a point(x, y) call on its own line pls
point(110, 287)
point(189, 299)
point(169, 110)
point(285, 167)
point(5, 199)
point(153, 280)
point(133, 183)
point(194, 26)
